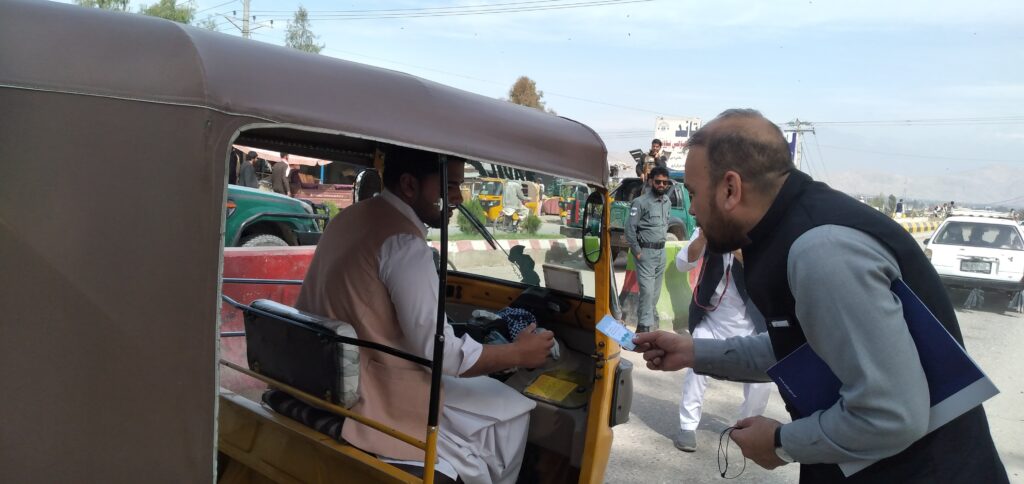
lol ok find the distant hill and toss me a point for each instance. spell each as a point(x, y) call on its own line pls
point(995, 183)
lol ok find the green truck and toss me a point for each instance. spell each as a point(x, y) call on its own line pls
point(680, 225)
point(257, 218)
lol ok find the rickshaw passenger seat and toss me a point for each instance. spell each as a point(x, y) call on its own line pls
point(289, 346)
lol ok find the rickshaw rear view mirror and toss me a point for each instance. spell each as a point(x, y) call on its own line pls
point(593, 222)
point(368, 184)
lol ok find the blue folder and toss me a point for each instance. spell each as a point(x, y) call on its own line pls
point(955, 382)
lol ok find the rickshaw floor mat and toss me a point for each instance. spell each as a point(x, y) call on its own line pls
point(320, 420)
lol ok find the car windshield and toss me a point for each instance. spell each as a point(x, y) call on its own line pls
point(976, 234)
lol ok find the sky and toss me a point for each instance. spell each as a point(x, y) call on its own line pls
point(896, 90)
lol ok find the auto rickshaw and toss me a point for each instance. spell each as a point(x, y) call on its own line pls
point(116, 342)
point(571, 198)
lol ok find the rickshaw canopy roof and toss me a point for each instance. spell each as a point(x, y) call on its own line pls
point(134, 57)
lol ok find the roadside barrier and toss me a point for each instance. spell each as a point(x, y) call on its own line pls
point(673, 307)
point(919, 227)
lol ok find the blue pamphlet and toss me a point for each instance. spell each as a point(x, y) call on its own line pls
point(955, 382)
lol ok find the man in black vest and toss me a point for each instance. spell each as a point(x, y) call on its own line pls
point(819, 266)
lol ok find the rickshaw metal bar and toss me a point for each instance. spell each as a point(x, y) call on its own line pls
point(430, 455)
point(330, 335)
point(324, 404)
point(243, 280)
point(438, 360)
point(232, 334)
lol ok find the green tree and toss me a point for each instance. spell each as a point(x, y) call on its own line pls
point(118, 5)
point(299, 35)
point(477, 211)
point(890, 204)
point(170, 10)
point(524, 93)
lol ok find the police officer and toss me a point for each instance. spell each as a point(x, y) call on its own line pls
point(645, 234)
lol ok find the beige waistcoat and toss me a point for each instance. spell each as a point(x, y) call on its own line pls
point(343, 283)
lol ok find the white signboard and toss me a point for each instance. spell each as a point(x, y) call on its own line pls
point(673, 133)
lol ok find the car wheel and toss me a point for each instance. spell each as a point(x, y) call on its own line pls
point(263, 240)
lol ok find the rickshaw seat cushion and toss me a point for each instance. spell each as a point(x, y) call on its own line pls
point(294, 348)
point(320, 420)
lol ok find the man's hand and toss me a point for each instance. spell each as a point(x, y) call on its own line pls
point(664, 350)
point(636, 255)
point(532, 348)
point(756, 438)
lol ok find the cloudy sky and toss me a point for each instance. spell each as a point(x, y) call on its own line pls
point(905, 89)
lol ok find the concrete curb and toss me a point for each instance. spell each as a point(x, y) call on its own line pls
point(919, 227)
point(529, 244)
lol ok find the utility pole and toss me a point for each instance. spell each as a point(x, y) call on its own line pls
point(798, 128)
point(245, 19)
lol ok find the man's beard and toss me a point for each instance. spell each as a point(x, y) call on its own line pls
point(659, 190)
point(723, 235)
point(431, 216)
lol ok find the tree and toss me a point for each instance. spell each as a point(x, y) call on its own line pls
point(118, 5)
point(524, 93)
point(300, 36)
point(208, 23)
point(169, 9)
point(890, 204)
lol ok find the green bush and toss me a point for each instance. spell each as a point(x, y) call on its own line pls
point(332, 209)
point(473, 207)
point(532, 224)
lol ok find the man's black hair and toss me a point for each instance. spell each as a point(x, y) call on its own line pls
point(399, 160)
point(251, 156)
point(656, 140)
point(658, 171)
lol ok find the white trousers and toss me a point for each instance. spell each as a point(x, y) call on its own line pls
point(755, 395)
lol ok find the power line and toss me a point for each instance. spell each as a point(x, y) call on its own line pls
point(908, 155)
point(965, 121)
point(420, 9)
point(215, 6)
point(468, 11)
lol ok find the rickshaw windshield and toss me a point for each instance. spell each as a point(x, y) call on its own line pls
point(491, 188)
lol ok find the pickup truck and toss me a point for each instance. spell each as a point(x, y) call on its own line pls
point(681, 223)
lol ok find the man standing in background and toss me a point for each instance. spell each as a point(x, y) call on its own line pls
point(645, 234)
point(279, 176)
point(247, 171)
point(720, 309)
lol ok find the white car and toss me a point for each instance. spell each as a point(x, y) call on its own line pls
point(983, 251)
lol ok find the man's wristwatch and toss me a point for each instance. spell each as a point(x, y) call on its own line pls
point(779, 451)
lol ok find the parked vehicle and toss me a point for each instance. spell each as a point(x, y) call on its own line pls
point(258, 218)
point(680, 224)
point(979, 250)
point(118, 335)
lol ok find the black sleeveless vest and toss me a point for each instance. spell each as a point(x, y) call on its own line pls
point(960, 451)
point(712, 270)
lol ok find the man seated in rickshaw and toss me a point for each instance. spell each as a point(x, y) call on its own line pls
point(374, 270)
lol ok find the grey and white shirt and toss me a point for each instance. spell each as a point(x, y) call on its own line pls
point(840, 279)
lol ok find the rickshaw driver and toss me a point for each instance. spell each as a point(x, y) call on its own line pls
point(373, 269)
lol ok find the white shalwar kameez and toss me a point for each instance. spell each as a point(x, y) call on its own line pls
point(729, 319)
point(483, 423)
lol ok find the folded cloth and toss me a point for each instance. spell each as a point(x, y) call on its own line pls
point(517, 319)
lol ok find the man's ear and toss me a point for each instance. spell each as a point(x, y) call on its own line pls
point(409, 186)
point(732, 184)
